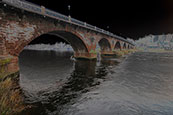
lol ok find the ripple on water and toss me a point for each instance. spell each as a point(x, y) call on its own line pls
point(141, 84)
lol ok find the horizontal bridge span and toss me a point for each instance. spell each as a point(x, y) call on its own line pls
point(28, 6)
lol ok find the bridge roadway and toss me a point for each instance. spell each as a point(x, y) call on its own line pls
point(22, 21)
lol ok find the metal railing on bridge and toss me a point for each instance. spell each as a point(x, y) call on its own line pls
point(31, 7)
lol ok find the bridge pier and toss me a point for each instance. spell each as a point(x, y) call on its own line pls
point(8, 63)
point(108, 54)
point(89, 56)
point(2, 47)
point(115, 53)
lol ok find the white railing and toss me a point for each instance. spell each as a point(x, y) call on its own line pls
point(22, 4)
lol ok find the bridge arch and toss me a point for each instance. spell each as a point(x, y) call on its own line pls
point(128, 46)
point(104, 45)
point(117, 46)
point(124, 46)
point(74, 39)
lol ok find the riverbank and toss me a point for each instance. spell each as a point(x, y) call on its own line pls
point(155, 50)
point(120, 53)
point(11, 100)
point(11, 97)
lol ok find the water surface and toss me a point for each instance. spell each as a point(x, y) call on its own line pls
point(139, 84)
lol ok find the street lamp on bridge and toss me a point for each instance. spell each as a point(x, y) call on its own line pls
point(69, 8)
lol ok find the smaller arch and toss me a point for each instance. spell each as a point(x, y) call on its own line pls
point(128, 46)
point(104, 45)
point(132, 47)
point(124, 46)
point(117, 45)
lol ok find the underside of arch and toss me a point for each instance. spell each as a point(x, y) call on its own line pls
point(124, 46)
point(76, 42)
point(128, 46)
point(117, 45)
point(104, 45)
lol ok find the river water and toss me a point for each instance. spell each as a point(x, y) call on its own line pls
point(138, 84)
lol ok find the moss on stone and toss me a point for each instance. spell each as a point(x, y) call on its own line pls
point(125, 52)
point(5, 61)
point(93, 52)
point(119, 53)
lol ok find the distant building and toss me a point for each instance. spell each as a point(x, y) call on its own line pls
point(156, 42)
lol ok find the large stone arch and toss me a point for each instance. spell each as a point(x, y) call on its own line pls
point(117, 46)
point(105, 45)
point(77, 42)
point(74, 39)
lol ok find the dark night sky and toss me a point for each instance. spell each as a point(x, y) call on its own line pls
point(131, 18)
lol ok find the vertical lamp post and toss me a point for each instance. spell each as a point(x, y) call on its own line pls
point(69, 8)
point(69, 16)
point(107, 27)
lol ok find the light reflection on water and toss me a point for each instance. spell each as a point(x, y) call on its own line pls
point(142, 84)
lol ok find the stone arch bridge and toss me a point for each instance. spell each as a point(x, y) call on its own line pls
point(21, 22)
